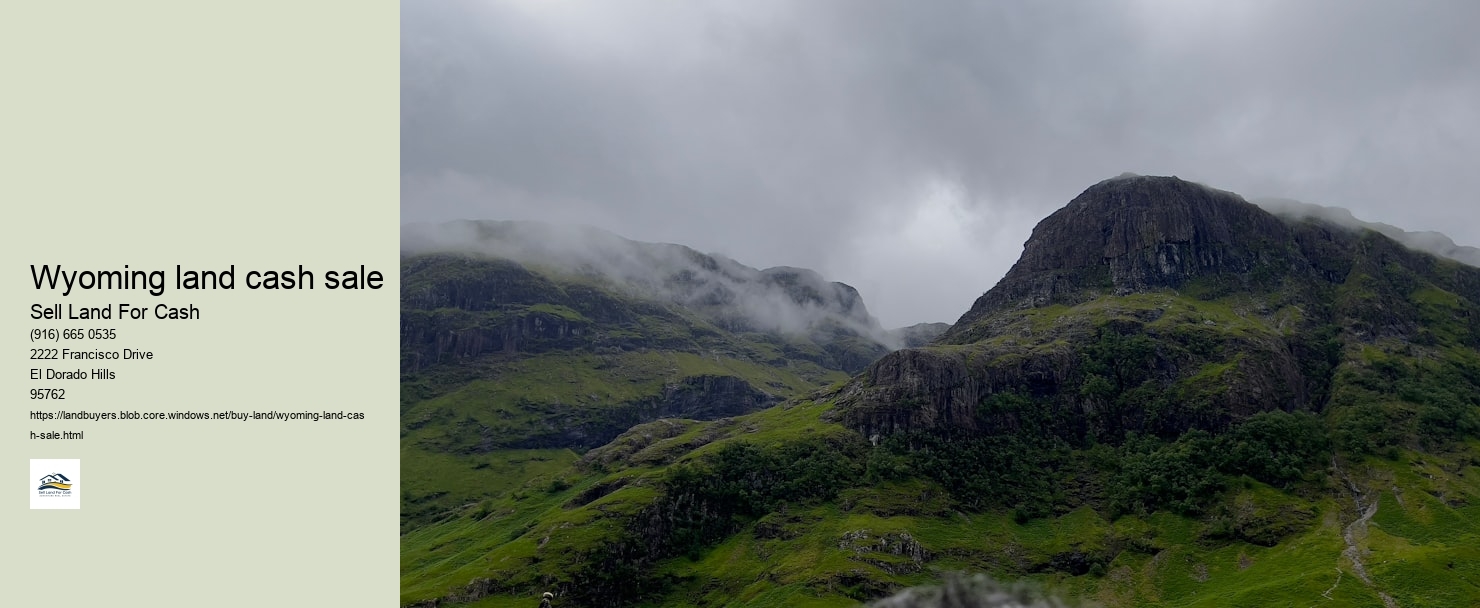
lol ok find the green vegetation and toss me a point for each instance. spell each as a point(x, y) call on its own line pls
point(1237, 441)
point(837, 539)
point(1397, 395)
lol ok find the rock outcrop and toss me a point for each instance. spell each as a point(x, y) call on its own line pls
point(1196, 306)
point(1138, 233)
point(428, 338)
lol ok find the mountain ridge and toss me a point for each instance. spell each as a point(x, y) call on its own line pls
point(1174, 398)
point(780, 298)
point(1436, 243)
point(534, 341)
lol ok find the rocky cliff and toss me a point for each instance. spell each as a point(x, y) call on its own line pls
point(1187, 306)
point(1134, 234)
point(1173, 396)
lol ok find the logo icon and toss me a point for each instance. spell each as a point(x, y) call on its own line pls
point(55, 481)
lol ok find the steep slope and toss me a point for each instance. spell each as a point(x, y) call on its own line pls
point(1156, 305)
point(1174, 398)
point(730, 295)
point(1431, 242)
point(1135, 234)
point(514, 365)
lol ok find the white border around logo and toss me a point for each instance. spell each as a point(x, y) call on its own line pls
point(65, 471)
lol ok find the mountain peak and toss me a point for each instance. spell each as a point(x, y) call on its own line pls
point(1136, 233)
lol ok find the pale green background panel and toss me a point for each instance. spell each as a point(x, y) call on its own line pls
point(263, 135)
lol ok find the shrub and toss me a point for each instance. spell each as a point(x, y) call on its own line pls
point(1277, 448)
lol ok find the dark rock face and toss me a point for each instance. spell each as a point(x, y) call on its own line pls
point(915, 389)
point(428, 339)
point(1138, 248)
point(1133, 234)
point(457, 308)
point(692, 398)
point(707, 398)
point(941, 389)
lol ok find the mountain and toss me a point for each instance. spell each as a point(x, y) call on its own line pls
point(523, 344)
point(1202, 281)
point(1173, 398)
point(730, 295)
point(1431, 242)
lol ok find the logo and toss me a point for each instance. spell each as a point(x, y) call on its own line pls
point(54, 484)
point(57, 482)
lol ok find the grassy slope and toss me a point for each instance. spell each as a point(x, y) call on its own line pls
point(459, 420)
point(462, 493)
point(1422, 551)
point(1420, 544)
point(442, 470)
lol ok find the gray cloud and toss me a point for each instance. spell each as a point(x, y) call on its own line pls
point(737, 297)
point(1436, 243)
point(908, 148)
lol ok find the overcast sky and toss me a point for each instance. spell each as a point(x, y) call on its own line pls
point(908, 148)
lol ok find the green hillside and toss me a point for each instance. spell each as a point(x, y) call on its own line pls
point(511, 369)
point(1173, 399)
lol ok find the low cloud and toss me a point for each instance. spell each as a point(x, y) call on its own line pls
point(820, 134)
point(735, 296)
point(1435, 243)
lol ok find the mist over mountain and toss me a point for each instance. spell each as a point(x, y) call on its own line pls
point(919, 334)
point(523, 335)
point(734, 296)
point(1148, 392)
point(1173, 395)
point(1427, 241)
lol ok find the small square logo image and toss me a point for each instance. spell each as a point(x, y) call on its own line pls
point(55, 483)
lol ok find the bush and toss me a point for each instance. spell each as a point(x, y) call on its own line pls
point(1179, 476)
point(1003, 471)
point(708, 498)
point(557, 485)
point(1277, 448)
